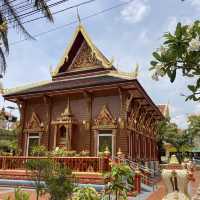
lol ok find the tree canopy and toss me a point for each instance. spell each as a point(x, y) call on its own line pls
point(169, 132)
point(193, 126)
point(180, 52)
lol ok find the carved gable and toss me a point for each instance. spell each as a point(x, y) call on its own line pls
point(35, 123)
point(81, 54)
point(105, 118)
point(85, 58)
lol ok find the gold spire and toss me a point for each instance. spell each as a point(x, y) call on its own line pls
point(136, 70)
point(67, 111)
point(78, 16)
point(50, 70)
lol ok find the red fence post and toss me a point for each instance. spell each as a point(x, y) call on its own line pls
point(137, 182)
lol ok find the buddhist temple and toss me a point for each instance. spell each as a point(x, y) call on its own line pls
point(88, 105)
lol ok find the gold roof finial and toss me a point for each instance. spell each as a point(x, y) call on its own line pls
point(51, 70)
point(136, 70)
point(112, 60)
point(68, 109)
point(78, 16)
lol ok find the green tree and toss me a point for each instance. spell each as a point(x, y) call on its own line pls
point(85, 193)
point(60, 183)
point(10, 14)
point(40, 169)
point(118, 181)
point(165, 128)
point(170, 133)
point(181, 141)
point(193, 126)
point(180, 52)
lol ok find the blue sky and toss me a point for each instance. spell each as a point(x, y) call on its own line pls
point(129, 34)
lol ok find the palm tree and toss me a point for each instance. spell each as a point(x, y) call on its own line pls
point(10, 14)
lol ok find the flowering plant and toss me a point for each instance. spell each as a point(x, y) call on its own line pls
point(180, 52)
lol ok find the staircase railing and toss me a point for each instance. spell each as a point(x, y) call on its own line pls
point(135, 165)
point(148, 175)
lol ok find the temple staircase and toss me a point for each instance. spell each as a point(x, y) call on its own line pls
point(149, 177)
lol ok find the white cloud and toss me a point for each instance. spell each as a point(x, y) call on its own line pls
point(136, 11)
point(180, 120)
point(195, 4)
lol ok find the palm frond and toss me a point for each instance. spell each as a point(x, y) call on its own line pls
point(17, 22)
point(4, 37)
point(42, 5)
point(4, 32)
point(3, 64)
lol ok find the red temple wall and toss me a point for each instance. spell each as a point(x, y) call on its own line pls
point(81, 136)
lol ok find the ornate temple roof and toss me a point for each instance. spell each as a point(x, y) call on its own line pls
point(81, 54)
point(82, 66)
point(70, 84)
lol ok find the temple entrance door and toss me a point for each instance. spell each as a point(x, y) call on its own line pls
point(33, 140)
point(62, 139)
point(105, 139)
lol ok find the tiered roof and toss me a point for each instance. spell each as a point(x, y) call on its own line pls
point(83, 67)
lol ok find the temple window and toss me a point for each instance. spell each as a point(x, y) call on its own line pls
point(62, 138)
point(33, 140)
point(105, 140)
point(63, 132)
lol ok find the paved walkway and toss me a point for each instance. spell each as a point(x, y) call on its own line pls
point(157, 195)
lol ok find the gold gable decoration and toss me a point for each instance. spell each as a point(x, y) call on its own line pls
point(85, 58)
point(105, 119)
point(95, 51)
point(35, 124)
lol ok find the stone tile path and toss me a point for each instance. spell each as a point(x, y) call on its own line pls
point(156, 195)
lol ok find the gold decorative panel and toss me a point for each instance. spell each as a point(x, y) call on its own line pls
point(105, 118)
point(85, 58)
point(34, 123)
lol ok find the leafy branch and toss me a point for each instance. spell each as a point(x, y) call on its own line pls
point(180, 51)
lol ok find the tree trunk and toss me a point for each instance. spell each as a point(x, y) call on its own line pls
point(159, 151)
point(116, 195)
point(179, 157)
point(37, 195)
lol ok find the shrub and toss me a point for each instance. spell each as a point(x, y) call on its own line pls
point(63, 152)
point(39, 150)
point(85, 193)
point(84, 153)
point(118, 182)
point(60, 184)
point(19, 195)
